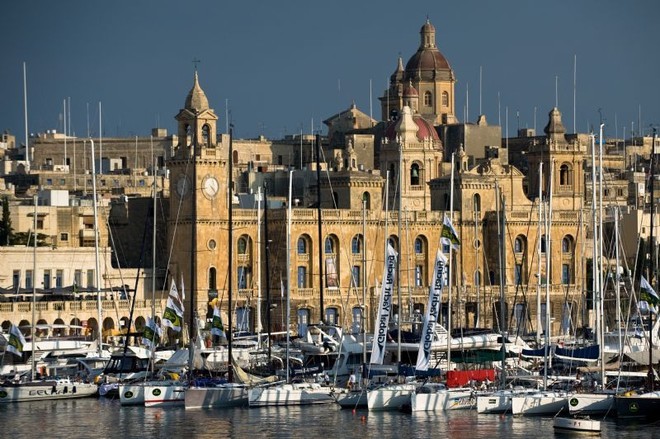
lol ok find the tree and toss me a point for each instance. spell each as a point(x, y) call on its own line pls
point(6, 230)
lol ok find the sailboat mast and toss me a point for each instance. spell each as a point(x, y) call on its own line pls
point(652, 273)
point(230, 246)
point(449, 274)
point(288, 277)
point(97, 282)
point(364, 283)
point(34, 286)
point(320, 232)
point(258, 317)
point(400, 249)
point(548, 257)
point(601, 281)
point(501, 225)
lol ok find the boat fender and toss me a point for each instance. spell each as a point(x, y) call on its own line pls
point(66, 389)
point(73, 390)
point(53, 390)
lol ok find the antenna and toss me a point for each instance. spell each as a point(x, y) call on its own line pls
point(556, 91)
point(480, 74)
point(467, 102)
point(574, 89)
point(27, 144)
point(499, 116)
point(196, 61)
point(370, 103)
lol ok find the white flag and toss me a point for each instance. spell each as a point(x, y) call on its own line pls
point(384, 307)
point(16, 341)
point(432, 312)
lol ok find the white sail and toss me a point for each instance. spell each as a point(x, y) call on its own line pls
point(384, 307)
point(432, 311)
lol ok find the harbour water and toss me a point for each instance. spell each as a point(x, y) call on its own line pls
point(103, 418)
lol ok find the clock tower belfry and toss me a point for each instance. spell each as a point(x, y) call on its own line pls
point(197, 226)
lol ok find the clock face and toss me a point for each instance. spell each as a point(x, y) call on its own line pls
point(182, 185)
point(210, 186)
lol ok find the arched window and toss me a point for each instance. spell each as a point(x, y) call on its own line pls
point(331, 316)
point(189, 135)
point(212, 278)
point(302, 246)
point(394, 242)
point(565, 177)
point(428, 99)
point(543, 244)
point(419, 246)
point(476, 202)
point(234, 157)
point(567, 244)
point(519, 244)
point(414, 175)
point(206, 135)
point(329, 245)
point(366, 197)
point(445, 99)
point(356, 245)
point(242, 246)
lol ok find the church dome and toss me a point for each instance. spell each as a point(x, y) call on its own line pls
point(196, 99)
point(428, 59)
point(425, 129)
point(409, 91)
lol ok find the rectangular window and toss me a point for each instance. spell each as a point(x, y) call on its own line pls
point(302, 277)
point(419, 271)
point(40, 223)
point(62, 182)
point(59, 278)
point(565, 274)
point(64, 237)
point(90, 278)
point(243, 277)
point(356, 279)
point(28, 279)
point(46, 279)
point(77, 278)
point(518, 274)
point(16, 280)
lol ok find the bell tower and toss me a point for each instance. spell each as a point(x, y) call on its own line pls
point(197, 225)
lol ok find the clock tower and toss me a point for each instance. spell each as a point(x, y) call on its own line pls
point(198, 203)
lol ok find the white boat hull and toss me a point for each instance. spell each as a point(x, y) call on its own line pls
point(289, 394)
point(131, 394)
point(46, 390)
point(441, 400)
point(576, 424)
point(391, 397)
point(499, 401)
point(164, 395)
point(546, 403)
point(225, 395)
point(591, 403)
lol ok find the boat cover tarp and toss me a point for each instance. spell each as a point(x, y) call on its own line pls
point(460, 378)
point(588, 354)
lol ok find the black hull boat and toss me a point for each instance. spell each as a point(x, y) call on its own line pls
point(638, 407)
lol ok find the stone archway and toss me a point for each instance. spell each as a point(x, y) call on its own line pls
point(92, 328)
point(60, 331)
point(44, 331)
point(5, 326)
point(108, 328)
point(76, 326)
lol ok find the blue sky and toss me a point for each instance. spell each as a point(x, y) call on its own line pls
point(284, 65)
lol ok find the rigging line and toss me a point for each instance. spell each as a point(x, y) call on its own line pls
point(176, 225)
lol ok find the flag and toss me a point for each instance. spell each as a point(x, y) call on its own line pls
point(647, 292)
point(432, 312)
point(16, 341)
point(449, 234)
point(173, 314)
point(152, 334)
point(384, 307)
point(216, 324)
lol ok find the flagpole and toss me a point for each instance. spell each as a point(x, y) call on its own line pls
point(652, 255)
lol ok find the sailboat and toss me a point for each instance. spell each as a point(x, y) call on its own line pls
point(289, 393)
point(38, 389)
point(645, 406)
